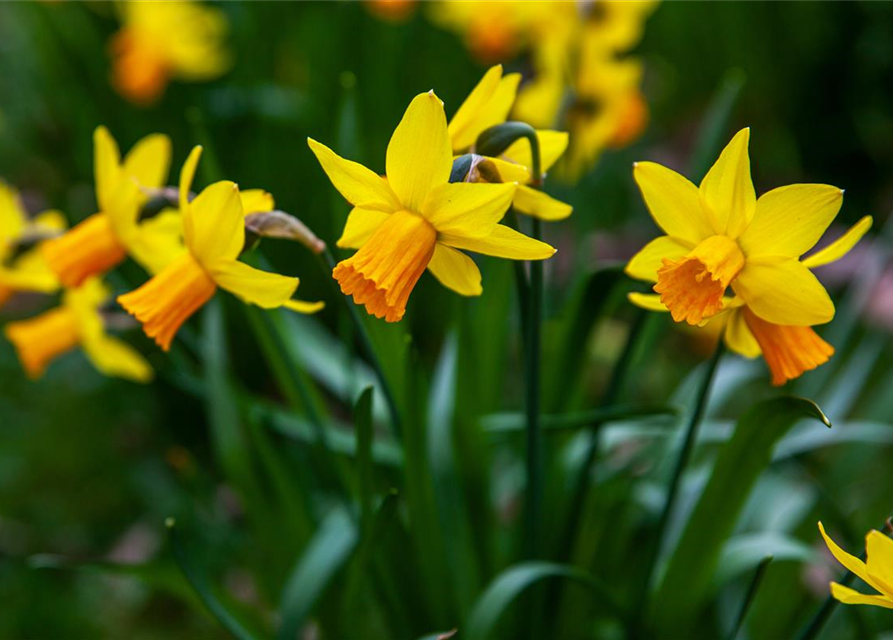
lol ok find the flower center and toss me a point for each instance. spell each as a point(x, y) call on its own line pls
point(382, 274)
point(40, 340)
point(88, 249)
point(141, 72)
point(168, 300)
point(788, 350)
point(692, 287)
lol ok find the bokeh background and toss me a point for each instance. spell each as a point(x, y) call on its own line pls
point(90, 467)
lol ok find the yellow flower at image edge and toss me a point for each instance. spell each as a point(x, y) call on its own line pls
point(104, 240)
point(415, 219)
point(876, 571)
point(77, 322)
point(214, 232)
point(159, 41)
point(26, 271)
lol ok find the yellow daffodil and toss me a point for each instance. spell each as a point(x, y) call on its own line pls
point(488, 105)
point(27, 270)
point(876, 571)
point(77, 322)
point(392, 10)
point(721, 236)
point(103, 240)
point(414, 218)
point(159, 41)
point(214, 233)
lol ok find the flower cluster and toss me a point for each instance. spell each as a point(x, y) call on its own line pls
point(582, 81)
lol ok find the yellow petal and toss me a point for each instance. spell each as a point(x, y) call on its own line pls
point(51, 220)
point(187, 175)
point(12, 215)
point(106, 166)
point(739, 337)
point(648, 301)
point(790, 220)
point(468, 209)
point(644, 265)
point(29, 272)
point(673, 202)
point(487, 105)
point(304, 307)
point(540, 205)
point(852, 563)
point(267, 290)
point(510, 171)
point(502, 242)
point(218, 225)
point(117, 359)
point(455, 271)
point(552, 145)
point(149, 161)
point(256, 201)
point(158, 241)
point(879, 560)
point(726, 192)
point(419, 154)
point(361, 224)
point(783, 291)
point(851, 596)
point(360, 186)
point(840, 247)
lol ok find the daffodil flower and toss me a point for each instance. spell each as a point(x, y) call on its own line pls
point(876, 571)
point(214, 233)
point(721, 236)
point(488, 105)
point(414, 218)
point(77, 322)
point(789, 350)
point(104, 240)
point(159, 41)
point(26, 271)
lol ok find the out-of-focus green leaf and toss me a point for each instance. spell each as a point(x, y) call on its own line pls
point(511, 422)
point(197, 576)
point(341, 439)
point(712, 134)
point(326, 553)
point(508, 585)
point(363, 425)
point(803, 439)
point(583, 309)
point(691, 566)
point(446, 478)
point(742, 553)
point(158, 574)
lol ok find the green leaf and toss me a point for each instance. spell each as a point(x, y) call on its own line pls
point(363, 424)
point(514, 422)
point(198, 578)
point(690, 570)
point(326, 553)
point(712, 134)
point(584, 308)
point(743, 553)
point(508, 585)
point(446, 478)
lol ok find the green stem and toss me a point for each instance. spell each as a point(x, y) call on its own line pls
point(691, 433)
point(748, 598)
point(329, 262)
point(535, 462)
